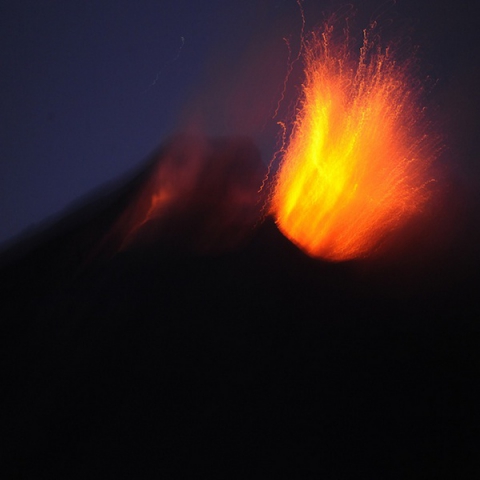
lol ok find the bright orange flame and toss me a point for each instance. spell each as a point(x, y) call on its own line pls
point(356, 163)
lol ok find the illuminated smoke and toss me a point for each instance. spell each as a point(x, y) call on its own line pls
point(201, 196)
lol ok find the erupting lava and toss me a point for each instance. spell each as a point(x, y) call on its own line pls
point(356, 163)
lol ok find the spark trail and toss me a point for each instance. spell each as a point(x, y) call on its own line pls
point(356, 164)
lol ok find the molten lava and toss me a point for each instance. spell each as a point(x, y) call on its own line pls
point(355, 166)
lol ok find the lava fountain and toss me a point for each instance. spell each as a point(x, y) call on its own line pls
point(355, 167)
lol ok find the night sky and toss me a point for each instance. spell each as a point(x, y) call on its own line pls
point(88, 89)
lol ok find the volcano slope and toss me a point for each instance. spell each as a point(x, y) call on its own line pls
point(130, 349)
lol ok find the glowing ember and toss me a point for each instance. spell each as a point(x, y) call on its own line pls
point(356, 163)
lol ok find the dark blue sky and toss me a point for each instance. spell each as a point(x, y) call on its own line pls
point(88, 89)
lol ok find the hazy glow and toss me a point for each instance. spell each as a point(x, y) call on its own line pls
point(200, 195)
point(356, 163)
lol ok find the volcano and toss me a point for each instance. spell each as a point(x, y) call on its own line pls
point(165, 329)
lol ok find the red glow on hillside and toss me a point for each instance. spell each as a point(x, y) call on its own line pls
point(201, 195)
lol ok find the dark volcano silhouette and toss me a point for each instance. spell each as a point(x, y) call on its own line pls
point(166, 357)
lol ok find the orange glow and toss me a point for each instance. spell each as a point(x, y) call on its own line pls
point(355, 167)
point(200, 195)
